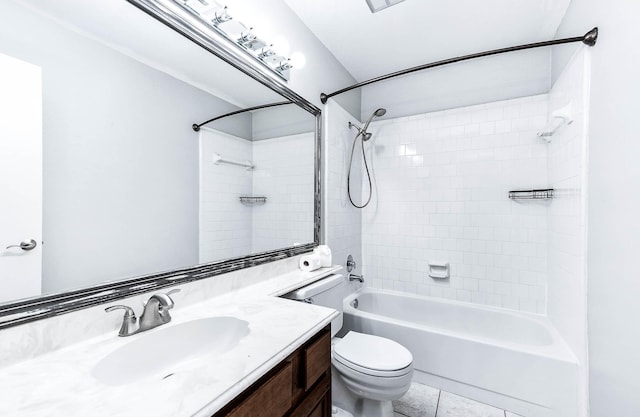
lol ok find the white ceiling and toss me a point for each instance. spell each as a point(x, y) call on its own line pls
point(416, 32)
point(123, 27)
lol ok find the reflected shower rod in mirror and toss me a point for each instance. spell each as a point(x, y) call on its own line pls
point(588, 39)
point(196, 126)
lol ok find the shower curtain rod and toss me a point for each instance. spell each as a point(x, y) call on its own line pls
point(589, 38)
point(196, 127)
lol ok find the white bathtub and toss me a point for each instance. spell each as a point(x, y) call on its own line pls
point(515, 361)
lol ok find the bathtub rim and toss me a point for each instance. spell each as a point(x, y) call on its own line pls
point(558, 349)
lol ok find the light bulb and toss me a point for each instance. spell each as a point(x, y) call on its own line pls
point(297, 60)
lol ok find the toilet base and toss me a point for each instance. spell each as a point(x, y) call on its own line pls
point(360, 407)
point(339, 412)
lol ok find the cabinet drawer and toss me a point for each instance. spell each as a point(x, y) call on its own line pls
point(272, 399)
point(317, 359)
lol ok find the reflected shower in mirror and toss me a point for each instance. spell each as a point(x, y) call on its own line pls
point(129, 189)
point(252, 185)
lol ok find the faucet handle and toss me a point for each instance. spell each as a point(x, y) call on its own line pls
point(173, 291)
point(168, 294)
point(128, 321)
point(128, 310)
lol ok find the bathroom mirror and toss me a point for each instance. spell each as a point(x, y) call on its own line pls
point(132, 198)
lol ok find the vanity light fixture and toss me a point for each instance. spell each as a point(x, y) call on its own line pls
point(218, 18)
point(377, 5)
point(266, 52)
point(284, 66)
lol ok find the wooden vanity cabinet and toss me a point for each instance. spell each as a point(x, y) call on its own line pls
point(299, 386)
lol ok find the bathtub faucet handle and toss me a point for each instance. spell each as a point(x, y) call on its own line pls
point(354, 277)
point(351, 264)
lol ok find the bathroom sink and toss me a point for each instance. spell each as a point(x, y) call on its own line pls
point(156, 353)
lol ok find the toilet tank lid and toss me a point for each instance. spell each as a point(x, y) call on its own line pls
point(316, 287)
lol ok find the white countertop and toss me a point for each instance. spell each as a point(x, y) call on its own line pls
point(60, 383)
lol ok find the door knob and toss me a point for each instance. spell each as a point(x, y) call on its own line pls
point(25, 245)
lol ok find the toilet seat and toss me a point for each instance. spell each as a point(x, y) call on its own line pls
point(373, 355)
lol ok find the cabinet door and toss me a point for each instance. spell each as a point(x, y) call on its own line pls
point(323, 408)
point(317, 360)
point(318, 401)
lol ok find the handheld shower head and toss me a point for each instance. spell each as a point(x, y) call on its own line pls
point(362, 132)
point(378, 113)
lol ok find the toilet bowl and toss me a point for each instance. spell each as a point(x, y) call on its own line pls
point(368, 372)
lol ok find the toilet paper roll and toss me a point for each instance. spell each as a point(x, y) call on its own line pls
point(310, 263)
point(324, 252)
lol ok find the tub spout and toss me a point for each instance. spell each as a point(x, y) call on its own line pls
point(354, 277)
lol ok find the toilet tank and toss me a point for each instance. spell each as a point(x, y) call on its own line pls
point(326, 292)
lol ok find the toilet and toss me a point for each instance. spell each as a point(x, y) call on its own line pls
point(368, 372)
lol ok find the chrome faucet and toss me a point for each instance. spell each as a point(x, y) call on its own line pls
point(354, 277)
point(128, 326)
point(351, 265)
point(155, 313)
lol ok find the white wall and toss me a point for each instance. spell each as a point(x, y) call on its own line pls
point(501, 77)
point(225, 224)
point(613, 205)
point(342, 222)
point(567, 221)
point(284, 174)
point(442, 194)
point(120, 170)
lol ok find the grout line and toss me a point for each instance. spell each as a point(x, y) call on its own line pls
point(438, 403)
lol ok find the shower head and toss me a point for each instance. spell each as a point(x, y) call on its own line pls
point(362, 131)
point(378, 113)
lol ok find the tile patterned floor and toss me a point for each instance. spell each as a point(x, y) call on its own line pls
point(424, 401)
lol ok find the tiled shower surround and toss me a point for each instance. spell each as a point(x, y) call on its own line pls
point(225, 224)
point(441, 194)
point(285, 176)
point(227, 227)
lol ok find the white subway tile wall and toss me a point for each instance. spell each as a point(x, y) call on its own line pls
point(225, 224)
point(284, 174)
point(442, 181)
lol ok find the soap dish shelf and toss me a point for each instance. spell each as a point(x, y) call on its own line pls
point(540, 194)
point(253, 200)
point(439, 269)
